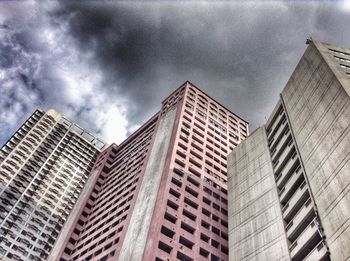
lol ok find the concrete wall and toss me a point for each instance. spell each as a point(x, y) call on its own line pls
point(256, 230)
point(319, 110)
point(135, 239)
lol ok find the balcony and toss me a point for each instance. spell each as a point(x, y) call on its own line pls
point(276, 123)
point(293, 183)
point(295, 202)
point(304, 216)
point(287, 171)
point(281, 132)
point(306, 242)
point(284, 157)
point(286, 140)
point(320, 252)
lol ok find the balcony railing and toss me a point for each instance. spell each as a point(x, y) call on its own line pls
point(286, 172)
point(307, 240)
point(286, 140)
point(304, 216)
point(318, 253)
point(282, 132)
point(293, 183)
point(286, 155)
point(275, 124)
point(295, 202)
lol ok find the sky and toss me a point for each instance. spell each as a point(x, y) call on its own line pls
point(107, 65)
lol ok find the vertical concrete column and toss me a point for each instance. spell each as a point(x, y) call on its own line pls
point(135, 238)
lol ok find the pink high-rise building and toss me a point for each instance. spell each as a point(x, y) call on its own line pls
point(162, 193)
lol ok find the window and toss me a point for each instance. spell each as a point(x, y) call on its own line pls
point(183, 257)
point(164, 247)
point(194, 182)
point(206, 212)
point(172, 205)
point(205, 238)
point(203, 252)
point(189, 215)
point(206, 201)
point(176, 182)
point(191, 203)
point(205, 224)
point(215, 230)
point(186, 242)
point(187, 227)
point(168, 232)
point(192, 192)
point(215, 243)
point(170, 218)
point(224, 249)
point(174, 193)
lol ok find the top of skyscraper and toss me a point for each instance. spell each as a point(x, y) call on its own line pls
point(190, 84)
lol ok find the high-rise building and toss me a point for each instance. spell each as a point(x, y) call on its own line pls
point(162, 193)
point(289, 196)
point(43, 168)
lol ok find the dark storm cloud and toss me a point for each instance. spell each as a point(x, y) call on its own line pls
point(96, 61)
point(240, 53)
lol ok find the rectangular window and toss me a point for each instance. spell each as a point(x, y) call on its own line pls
point(203, 252)
point(191, 203)
point(189, 215)
point(170, 218)
point(174, 193)
point(183, 257)
point(191, 191)
point(172, 205)
point(187, 227)
point(164, 247)
point(168, 232)
point(186, 242)
point(205, 238)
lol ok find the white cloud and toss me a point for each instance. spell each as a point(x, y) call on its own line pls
point(64, 78)
point(114, 127)
point(345, 5)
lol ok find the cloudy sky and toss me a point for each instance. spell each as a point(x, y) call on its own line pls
point(108, 65)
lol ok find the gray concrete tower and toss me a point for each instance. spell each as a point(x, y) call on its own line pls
point(289, 181)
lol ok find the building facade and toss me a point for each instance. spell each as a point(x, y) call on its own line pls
point(289, 181)
point(43, 168)
point(162, 193)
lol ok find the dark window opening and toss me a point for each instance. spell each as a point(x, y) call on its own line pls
point(205, 224)
point(215, 243)
point(168, 232)
point(191, 203)
point(172, 205)
point(183, 257)
point(224, 249)
point(164, 247)
point(170, 218)
point(205, 238)
point(187, 227)
point(186, 242)
point(174, 193)
point(189, 215)
point(191, 191)
point(203, 252)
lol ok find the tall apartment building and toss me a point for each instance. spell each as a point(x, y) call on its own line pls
point(289, 180)
point(162, 193)
point(43, 168)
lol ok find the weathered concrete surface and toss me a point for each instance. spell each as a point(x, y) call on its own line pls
point(135, 238)
point(319, 110)
point(256, 229)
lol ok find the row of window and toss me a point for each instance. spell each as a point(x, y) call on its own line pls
point(214, 111)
